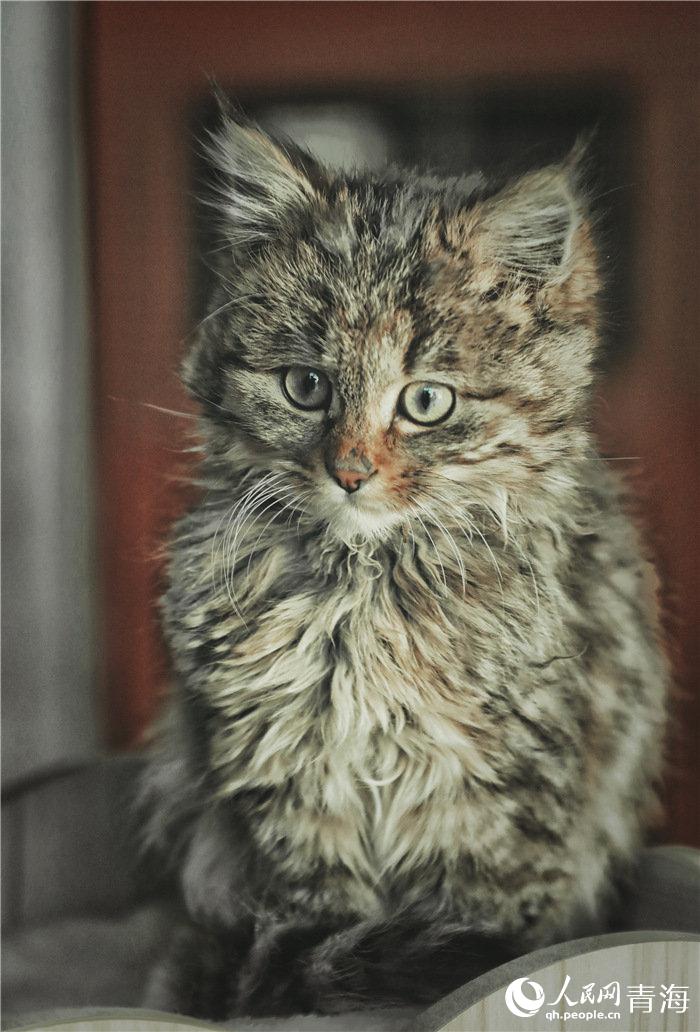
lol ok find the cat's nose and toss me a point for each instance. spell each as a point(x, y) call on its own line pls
point(349, 480)
point(353, 470)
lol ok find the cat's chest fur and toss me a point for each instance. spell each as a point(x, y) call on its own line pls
point(356, 693)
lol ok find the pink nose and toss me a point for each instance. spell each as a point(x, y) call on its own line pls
point(352, 470)
point(350, 480)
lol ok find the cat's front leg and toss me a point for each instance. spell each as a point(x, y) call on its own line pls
point(219, 876)
point(273, 979)
point(223, 877)
point(257, 968)
point(198, 976)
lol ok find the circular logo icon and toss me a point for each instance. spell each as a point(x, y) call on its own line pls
point(519, 1002)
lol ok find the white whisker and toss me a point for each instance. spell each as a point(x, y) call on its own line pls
point(437, 553)
point(234, 534)
point(237, 516)
point(277, 498)
point(445, 531)
point(168, 411)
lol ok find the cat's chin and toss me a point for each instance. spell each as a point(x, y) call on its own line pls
point(351, 519)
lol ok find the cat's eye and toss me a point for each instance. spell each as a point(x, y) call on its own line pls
point(307, 388)
point(426, 403)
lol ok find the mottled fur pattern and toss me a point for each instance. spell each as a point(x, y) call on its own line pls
point(416, 727)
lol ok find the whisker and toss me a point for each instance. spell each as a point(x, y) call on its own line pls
point(445, 531)
point(442, 568)
point(532, 575)
point(459, 516)
point(168, 411)
point(238, 299)
point(621, 458)
point(237, 516)
point(230, 518)
point(408, 523)
point(258, 515)
point(509, 542)
point(254, 501)
point(208, 401)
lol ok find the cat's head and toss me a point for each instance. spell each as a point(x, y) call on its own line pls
point(395, 345)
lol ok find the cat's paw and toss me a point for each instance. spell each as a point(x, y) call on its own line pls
point(272, 979)
point(198, 976)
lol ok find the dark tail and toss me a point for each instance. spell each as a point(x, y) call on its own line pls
point(398, 963)
point(294, 969)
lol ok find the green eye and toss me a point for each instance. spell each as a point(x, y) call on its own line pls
point(426, 403)
point(307, 388)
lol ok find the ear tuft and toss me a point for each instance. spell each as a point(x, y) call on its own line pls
point(531, 225)
point(260, 184)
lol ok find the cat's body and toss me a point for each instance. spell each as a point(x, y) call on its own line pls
point(438, 710)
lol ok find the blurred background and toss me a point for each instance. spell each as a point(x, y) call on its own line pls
point(104, 262)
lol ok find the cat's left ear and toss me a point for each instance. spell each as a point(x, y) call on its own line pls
point(539, 226)
point(262, 184)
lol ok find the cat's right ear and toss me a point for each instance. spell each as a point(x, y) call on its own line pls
point(260, 184)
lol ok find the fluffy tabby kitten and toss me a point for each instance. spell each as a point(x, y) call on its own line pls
point(420, 696)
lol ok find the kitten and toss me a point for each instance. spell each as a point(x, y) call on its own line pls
point(420, 696)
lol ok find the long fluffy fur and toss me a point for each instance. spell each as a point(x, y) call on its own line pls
point(414, 735)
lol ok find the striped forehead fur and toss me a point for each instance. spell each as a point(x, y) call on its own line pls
point(312, 254)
